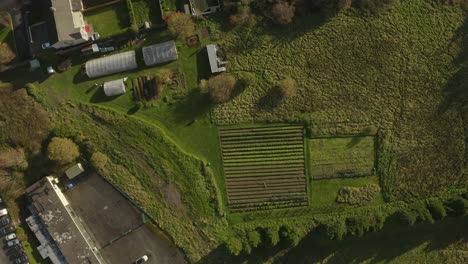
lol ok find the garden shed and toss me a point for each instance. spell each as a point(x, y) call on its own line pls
point(74, 171)
point(160, 53)
point(115, 87)
point(120, 62)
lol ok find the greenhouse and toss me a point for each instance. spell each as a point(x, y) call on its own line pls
point(120, 62)
point(160, 53)
point(113, 88)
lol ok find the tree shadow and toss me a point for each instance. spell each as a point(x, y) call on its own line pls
point(203, 64)
point(270, 100)
point(99, 96)
point(134, 109)
point(194, 105)
point(456, 88)
point(382, 246)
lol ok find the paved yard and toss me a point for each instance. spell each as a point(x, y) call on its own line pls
point(116, 225)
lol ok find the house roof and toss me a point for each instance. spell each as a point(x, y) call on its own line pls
point(120, 62)
point(160, 53)
point(53, 209)
point(213, 58)
point(66, 14)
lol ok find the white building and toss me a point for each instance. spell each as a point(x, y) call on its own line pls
point(69, 22)
point(113, 88)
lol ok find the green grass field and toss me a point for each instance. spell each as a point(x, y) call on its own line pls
point(354, 72)
point(109, 20)
point(341, 157)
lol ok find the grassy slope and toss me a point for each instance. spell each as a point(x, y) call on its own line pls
point(354, 72)
point(109, 20)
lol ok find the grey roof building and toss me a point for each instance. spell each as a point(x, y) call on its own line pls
point(120, 62)
point(160, 53)
point(216, 64)
point(203, 7)
point(63, 238)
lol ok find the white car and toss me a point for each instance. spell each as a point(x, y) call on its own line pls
point(13, 242)
point(3, 212)
point(10, 237)
point(141, 259)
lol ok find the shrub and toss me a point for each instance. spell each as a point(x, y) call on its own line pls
point(99, 161)
point(287, 87)
point(423, 214)
point(376, 221)
point(219, 88)
point(405, 217)
point(436, 208)
point(180, 25)
point(234, 246)
point(357, 195)
point(334, 230)
point(62, 150)
point(283, 12)
point(456, 207)
point(10, 158)
point(290, 236)
point(272, 236)
point(254, 238)
point(356, 226)
point(243, 17)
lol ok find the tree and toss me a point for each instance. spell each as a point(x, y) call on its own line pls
point(254, 238)
point(436, 208)
point(287, 87)
point(404, 217)
point(334, 230)
point(219, 88)
point(290, 236)
point(283, 12)
point(456, 207)
point(234, 246)
point(272, 236)
point(243, 17)
point(180, 25)
point(99, 161)
point(62, 150)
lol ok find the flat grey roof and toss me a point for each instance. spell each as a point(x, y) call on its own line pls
point(160, 53)
point(51, 208)
point(214, 60)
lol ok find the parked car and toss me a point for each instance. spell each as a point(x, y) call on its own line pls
point(4, 221)
point(7, 230)
point(21, 260)
point(10, 236)
point(18, 253)
point(106, 49)
point(45, 45)
point(15, 249)
point(141, 259)
point(13, 242)
point(3, 212)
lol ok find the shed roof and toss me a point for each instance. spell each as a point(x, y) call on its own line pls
point(74, 171)
point(120, 62)
point(213, 58)
point(114, 87)
point(160, 53)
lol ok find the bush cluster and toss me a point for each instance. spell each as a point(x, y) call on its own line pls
point(357, 195)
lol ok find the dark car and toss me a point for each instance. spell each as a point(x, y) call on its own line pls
point(4, 221)
point(15, 249)
point(7, 230)
point(18, 253)
point(21, 260)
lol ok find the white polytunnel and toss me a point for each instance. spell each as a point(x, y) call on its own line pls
point(113, 88)
point(160, 53)
point(120, 62)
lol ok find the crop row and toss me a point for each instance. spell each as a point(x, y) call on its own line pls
point(249, 145)
point(264, 154)
point(258, 137)
point(267, 197)
point(267, 162)
point(259, 129)
point(256, 207)
point(262, 167)
point(242, 175)
point(260, 134)
point(264, 159)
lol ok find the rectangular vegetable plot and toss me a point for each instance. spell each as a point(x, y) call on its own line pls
point(264, 167)
point(342, 157)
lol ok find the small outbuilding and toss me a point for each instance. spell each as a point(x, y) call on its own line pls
point(120, 62)
point(115, 87)
point(216, 64)
point(74, 171)
point(160, 53)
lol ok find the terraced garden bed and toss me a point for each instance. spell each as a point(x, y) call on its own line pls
point(264, 167)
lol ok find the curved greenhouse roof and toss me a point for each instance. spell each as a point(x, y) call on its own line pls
point(114, 88)
point(160, 53)
point(120, 62)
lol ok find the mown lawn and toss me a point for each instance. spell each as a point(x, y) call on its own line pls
point(147, 11)
point(109, 20)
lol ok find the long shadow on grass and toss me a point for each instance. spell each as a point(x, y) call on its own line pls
point(193, 106)
point(382, 246)
point(99, 96)
point(270, 100)
point(456, 89)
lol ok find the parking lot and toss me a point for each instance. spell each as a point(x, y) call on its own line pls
point(11, 250)
point(116, 225)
